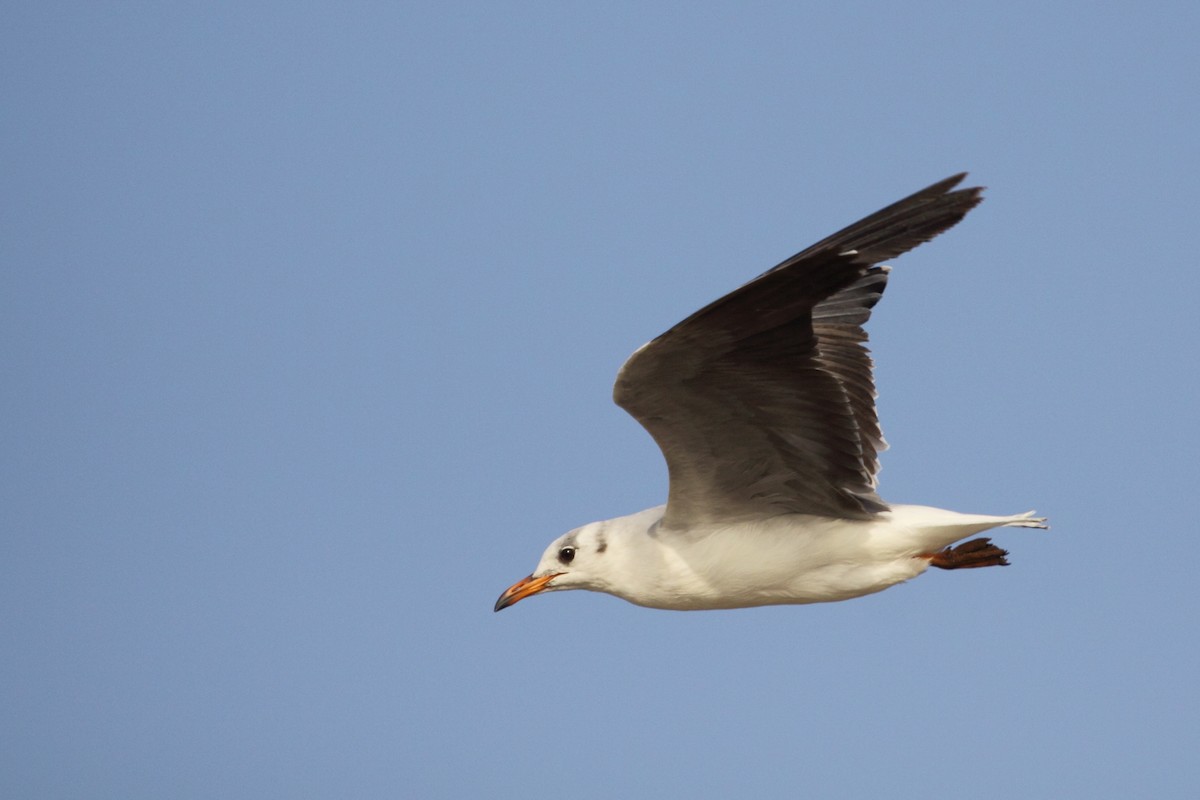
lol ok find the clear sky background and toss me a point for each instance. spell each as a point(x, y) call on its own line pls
point(309, 316)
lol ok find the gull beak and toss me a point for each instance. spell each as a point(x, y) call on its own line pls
point(524, 588)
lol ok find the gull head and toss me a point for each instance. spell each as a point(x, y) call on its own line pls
point(575, 560)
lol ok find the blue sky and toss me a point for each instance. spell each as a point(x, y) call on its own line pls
point(309, 316)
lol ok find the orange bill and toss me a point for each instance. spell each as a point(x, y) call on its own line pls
point(524, 588)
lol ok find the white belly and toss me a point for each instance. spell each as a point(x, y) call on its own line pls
point(798, 559)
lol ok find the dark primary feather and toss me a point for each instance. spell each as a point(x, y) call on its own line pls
point(763, 401)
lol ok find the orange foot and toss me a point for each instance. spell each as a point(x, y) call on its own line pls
point(975, 553)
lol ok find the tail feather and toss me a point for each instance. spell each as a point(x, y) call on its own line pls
point(1027, 520)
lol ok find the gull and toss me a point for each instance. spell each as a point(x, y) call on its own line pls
point(763, 404)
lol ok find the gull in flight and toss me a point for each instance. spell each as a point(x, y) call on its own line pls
point(763, 404)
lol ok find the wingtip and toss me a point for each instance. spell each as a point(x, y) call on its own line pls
point(952, 181)
point(946, 185)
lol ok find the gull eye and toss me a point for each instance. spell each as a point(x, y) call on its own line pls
point(566, 555)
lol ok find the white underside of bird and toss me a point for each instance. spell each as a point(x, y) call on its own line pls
point(778, 560)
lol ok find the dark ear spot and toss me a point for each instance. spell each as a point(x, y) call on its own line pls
point(601, 543)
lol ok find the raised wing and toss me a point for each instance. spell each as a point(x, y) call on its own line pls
point(763, 402)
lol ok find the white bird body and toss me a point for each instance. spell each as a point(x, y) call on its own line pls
point(763, 404)
point(788, 559)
